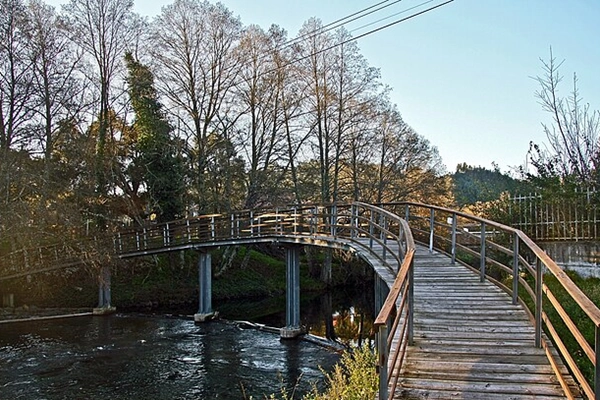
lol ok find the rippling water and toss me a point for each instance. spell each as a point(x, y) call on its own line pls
point(136, 357)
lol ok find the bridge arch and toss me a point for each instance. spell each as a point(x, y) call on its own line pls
point(375, 235)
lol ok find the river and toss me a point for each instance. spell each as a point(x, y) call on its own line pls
point(132, 356)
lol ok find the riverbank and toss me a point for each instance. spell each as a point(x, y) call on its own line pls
point(28, 314)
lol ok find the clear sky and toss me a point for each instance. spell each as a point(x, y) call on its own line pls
point(462, 74)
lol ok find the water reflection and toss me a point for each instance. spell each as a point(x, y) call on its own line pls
point(126, 356)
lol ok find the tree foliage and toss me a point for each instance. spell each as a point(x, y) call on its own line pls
point(477, 184)
point(161, 167)
point(203, 115)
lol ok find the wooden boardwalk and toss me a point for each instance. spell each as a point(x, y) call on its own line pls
point(470, 341)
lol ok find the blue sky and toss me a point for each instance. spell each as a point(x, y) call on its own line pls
point(461, 75)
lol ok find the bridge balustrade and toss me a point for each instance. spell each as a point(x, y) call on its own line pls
point(510, 259)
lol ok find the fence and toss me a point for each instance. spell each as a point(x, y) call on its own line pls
point(570, 216)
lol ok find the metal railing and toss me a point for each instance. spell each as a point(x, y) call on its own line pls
point(385, 235)
point(29, 261)
point(513, 261)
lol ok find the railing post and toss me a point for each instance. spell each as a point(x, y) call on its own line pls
point(251, 223)
point(382, 351)
point(212, 228)
point(453, 249)
point(353, 221)
point(371, 224)
point(538, 303)
point(431, 227)
point(166, 240)
point(295, 210)
point(188, 230)
point(383, 236)
point(515, 294)
point(482, 254)
point(411, 304)
point(232, 226)
point(332, 220)
point(258, 219)
point(597, 363)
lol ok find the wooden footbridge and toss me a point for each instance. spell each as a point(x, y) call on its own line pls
point(465, 312)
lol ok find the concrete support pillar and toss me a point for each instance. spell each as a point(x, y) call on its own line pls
point(205, 312)
point(104, 293)
point(292, 327)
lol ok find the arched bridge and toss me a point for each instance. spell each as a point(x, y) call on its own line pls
point(465, 309)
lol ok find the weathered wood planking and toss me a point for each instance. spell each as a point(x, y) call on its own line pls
point(470, 341)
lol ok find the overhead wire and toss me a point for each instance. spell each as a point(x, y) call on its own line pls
point(337, 24)
point(354, 38)
point(391, 16)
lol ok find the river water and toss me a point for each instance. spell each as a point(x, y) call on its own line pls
point(132, 356)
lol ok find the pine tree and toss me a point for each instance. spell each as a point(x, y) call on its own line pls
point(163, 168)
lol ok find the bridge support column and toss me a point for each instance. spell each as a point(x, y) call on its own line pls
point(104, 293)
point(205, 312)
point(292, 327)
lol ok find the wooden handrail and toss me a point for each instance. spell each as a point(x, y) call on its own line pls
point(590, 309)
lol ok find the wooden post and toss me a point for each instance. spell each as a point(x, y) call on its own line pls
point(382, 364)
point(482, 254)
point(515, 294)
point(453, 249)
point(538, 303)
point(431, 228)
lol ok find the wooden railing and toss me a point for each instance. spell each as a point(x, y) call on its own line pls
point(513, 261)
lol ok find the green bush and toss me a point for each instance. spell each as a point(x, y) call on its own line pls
point(353, 378)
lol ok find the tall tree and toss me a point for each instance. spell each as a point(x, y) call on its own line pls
point(260, 125)
point(57, 91)
point(158, 159)
point(193, 46)
point(102, 29)
point(316, 50)
point(16, 71)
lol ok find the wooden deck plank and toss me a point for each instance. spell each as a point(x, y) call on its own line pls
point(470, 341)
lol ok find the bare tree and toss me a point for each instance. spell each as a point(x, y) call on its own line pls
point(573, 135)
point(193, 46)
point(56, 88)
point(103, 30)
point(261, 123)
point(16, 70)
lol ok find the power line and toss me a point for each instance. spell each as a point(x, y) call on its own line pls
point(339, 23)
point(360, 36)
point(391, 16)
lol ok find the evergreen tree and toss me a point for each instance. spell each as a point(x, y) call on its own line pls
point(163, 168)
